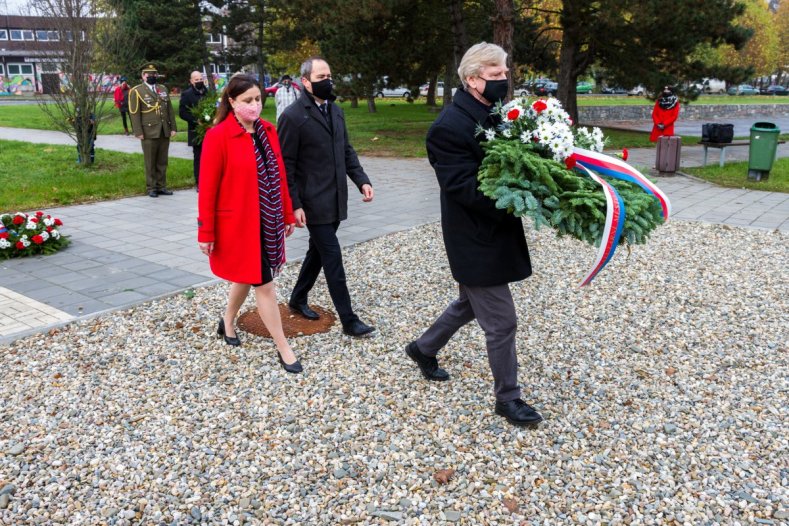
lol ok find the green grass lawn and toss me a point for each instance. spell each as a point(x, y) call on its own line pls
point(735, 175)
point(40, 176)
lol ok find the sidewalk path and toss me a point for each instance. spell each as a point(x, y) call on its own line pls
point(131, 250)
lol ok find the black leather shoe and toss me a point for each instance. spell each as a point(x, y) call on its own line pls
point(230, 340)
point(357, 328)
point(152, 194)
point(518, 413)
point(293, 368)
point(164, 191)
point(304, 310)
point(428, 365)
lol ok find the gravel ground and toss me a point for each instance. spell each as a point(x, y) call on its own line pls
point(663, 386)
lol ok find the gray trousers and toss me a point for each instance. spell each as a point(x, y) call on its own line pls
point(494, 310)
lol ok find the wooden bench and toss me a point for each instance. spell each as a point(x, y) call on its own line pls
point(722, 147)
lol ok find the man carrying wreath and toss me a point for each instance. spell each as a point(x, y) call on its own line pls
point(486, 246)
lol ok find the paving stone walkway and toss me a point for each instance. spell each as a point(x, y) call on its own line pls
point(153, 251)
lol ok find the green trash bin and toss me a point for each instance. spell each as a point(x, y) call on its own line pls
point(761, 154)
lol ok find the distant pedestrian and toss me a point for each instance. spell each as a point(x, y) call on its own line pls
point(153, 122)
point(287, 93)
point(121, 97)
point(190, 98)
point(664, 114)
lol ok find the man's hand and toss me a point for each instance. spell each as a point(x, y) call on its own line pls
point(206, 248)
point(301, 219)
point(141, 137)
point(660, 127)
point(289, 229)
point(172, 134)
point(368, 193)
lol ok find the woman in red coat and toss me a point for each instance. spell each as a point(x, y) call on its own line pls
point(245, 211)
point(664, 114)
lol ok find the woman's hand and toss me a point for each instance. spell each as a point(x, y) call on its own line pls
point(206, 248)
point(289, 229)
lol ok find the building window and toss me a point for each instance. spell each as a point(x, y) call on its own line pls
point(22, 34)
point(41, 35)
point(2, 71)
point(20, 69)
point(213, 38)
point(219, 68)
point(48, 67)
point(3, 34)
point(53, 36)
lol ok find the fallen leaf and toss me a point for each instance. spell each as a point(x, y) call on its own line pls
point(57, 375)
point(196, 329)
point(374, 139)
point(443, 476)
point(671, 371)
point(538, 482)
point(53, 332)
point(627, 403)
point(510, 504)
point(179, 325)
point(233, 358)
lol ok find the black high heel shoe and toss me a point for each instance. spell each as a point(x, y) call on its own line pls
point(230, 340)
point(294, 368)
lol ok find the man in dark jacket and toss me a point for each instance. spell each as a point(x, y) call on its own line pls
point(190, 98)
point(485, 246)
point(318, 158)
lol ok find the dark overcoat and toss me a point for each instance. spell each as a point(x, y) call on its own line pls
point(318, 160)
point(485, 246)
point(190, 98)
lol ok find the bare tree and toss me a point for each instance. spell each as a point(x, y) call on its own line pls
point(86, 38)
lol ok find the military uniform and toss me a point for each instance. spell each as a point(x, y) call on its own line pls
point(152, 116)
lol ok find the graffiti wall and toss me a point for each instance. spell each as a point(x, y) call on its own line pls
point(17, 85)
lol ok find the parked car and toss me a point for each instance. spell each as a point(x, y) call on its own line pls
point(743, 89)
point(614, 90)
point(272, 90)
point(522, 90)
point(583, 87)
point(439, 89)
point(638, 91)
point(544, 89)
point(393, 92)
point(774, 90)
point(710, 86)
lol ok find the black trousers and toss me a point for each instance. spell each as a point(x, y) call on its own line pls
point(324, 252)
point(123, 116)
point(198, 151)
point(494, 310)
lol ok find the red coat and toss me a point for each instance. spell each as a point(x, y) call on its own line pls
point(664, 117)
point(118, 96)
point(228, 205)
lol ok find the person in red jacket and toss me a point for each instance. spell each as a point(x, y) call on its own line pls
point(245, 210)
point(121, 97)
point(664, 114)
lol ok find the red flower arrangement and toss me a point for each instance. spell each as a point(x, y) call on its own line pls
point(27, 235)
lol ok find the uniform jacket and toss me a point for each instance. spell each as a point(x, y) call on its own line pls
point(485, 246)
point(318, 160)
point(190, 98)
point(151, 111)
point(664, 117)
point(228, 205)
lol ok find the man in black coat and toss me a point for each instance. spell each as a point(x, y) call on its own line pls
point(486, 246)
point(318, 158)
point(190, 98)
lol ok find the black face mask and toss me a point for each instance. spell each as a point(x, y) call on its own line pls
point(322, 89)
point(151, 79)
point(200, 86)
point(495, 90)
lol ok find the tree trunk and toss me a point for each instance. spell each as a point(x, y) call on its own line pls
point(567, 75)
point(431, 91)
point(371, 104)
point(449, 76)
point(459, 35)
point(503, 29)
point(354, 101)
point(261, 54)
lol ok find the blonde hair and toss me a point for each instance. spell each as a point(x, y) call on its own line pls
point(478, 56)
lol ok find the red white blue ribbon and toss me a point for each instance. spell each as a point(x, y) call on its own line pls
point(614, 223)
point(586, 161)
point(613, 167)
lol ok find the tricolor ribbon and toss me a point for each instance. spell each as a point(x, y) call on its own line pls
point(586, 161)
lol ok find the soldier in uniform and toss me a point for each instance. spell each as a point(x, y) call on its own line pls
point(153, 122)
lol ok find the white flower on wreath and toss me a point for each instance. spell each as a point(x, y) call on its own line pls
point(44, 235)
point(48, 221)
point(4, 243)
point(55, 234)
point(506, 133)
point(25, 241)
point(526, 137)
point(490, 135)
point(31, 225)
